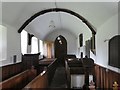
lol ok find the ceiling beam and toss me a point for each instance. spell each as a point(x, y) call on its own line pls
point(57, 10)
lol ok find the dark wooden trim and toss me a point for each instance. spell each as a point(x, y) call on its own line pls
point(30, 38)
point(57, 10)
point(81, 40)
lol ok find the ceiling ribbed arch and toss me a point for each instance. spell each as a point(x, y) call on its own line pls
point(57, 10)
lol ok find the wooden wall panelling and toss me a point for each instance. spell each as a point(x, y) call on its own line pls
point(105, 77)
point(18, 81)
point(97, 75)
point(11, 70)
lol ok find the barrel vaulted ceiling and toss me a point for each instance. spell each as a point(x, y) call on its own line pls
point(97, 13)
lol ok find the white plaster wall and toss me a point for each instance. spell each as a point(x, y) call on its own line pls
point(71, 40)
point(0, 13)
point(87, 34)
point(106, 31)
point(13, 45)
point(0, 44)
point(119, 21)
point(4, 42)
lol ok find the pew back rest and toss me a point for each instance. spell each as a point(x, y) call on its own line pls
point(18, 81)
point(44, 80)
point(40, 81)
point(68, 76)
point(30, 60)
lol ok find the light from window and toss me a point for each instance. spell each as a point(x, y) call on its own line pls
point(24, 42)
point(3, 43)
point(41, 46)
point(34, 46)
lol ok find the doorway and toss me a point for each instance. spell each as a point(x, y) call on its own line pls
point(60, 45)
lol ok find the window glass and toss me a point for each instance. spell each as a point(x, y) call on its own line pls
point(24, 42)
point(41, 46)
point(3, 43)
point(34, 45)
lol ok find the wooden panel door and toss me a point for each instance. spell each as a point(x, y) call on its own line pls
point(60, 45)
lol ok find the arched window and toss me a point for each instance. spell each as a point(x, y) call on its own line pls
point(24, 40)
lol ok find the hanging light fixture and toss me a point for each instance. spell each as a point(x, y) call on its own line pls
point(59, 15)
point(60, 42)
point(58, 38)
point(52, 24)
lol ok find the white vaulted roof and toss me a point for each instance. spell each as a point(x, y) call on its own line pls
point(97, 13)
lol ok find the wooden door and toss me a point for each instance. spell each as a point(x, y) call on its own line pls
point(60, 45)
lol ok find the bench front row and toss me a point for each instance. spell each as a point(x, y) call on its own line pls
point(29, 79)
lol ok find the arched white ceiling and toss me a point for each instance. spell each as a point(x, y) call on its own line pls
point(40, 25)
point(97, 13)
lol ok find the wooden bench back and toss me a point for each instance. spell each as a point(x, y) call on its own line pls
point(68, 76)
point(18, 81)
point(43, 81)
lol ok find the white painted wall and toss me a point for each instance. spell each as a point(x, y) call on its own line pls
point(106, 31)
point(0, 13)
point(119, 17)
point(87, 34)
point(71, 40)
point(13, 45)
point(0, 45)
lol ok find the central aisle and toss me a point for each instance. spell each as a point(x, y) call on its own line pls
point(59, 79)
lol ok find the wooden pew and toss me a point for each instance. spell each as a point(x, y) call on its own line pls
point(68, 76)
point(83, 66)
point(44, 79)
point(29, 60)
point(18, 81)
point(41, 81)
